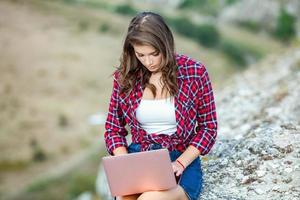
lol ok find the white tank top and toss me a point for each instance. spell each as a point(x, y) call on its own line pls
point(157, 116)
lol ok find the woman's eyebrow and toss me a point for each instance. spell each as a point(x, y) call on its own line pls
point(149, 53)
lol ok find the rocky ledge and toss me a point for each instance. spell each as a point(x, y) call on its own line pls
point(257, 154)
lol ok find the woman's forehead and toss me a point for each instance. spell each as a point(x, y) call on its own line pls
point(144, 49)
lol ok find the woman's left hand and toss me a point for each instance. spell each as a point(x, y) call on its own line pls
point(177, 168)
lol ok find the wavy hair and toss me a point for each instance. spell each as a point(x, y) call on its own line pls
point(148, 28)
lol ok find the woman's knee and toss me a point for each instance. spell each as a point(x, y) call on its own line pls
point(149, 196)
point(172, 194)
point(129, 197)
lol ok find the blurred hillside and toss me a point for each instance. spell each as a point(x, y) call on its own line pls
point(56, 60)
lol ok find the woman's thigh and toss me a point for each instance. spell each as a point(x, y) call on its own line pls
point(172, 194)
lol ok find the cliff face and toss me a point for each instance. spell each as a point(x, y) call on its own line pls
point(258, 148)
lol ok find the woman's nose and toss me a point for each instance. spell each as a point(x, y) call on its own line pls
point(148, 61)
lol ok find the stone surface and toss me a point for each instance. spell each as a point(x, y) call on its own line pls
point(262, 158)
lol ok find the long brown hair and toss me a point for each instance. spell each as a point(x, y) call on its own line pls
point(148, 28)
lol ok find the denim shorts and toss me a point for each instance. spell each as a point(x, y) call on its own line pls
point(191, 179)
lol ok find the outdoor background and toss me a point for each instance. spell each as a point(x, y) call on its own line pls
point(56, 61)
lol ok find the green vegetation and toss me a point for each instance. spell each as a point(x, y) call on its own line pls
point(41, 185)
point(38, 154)
point(239, 53)
point(285, 26)
point(46, 189)
point(296, 67)
point(68, 186)
point(70, 1)
point(13, 165)
point(63, 120)
point(84, 142)
point(80, 183)
point(229, 2)
point(234, 52)
point(208, 35)
point(83, 25)
point(209, 7)
point(125, 9)
point(250, 25)
point(103, 28)
point(205, 34)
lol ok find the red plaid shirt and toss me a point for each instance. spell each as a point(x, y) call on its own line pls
point(195, 112)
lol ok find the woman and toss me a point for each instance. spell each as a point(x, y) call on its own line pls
point(167, 101)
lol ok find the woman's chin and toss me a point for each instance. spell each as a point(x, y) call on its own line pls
point(153, 69)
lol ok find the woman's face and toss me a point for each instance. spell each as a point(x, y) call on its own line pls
point(148, 56)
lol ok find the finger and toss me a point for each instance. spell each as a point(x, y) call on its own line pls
point(174, 168)
point(178, 172)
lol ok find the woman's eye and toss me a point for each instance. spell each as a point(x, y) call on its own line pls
point(156, 54)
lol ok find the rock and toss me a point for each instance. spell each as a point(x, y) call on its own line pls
point(260, 173)
point(287, 179)
point(288, 170)
point(274, 165)
point(288, 162)
point(238, 163)
point(250, 169)
point(259, 191)
point(276, 188)
point(248, 179)
point(102, 188)
point(85, 196)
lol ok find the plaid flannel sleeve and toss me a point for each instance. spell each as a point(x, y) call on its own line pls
point(115, 131)
point(206, 116)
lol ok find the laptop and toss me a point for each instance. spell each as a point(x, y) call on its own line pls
point(139, 172)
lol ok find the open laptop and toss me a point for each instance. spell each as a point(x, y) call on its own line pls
point(139, 172)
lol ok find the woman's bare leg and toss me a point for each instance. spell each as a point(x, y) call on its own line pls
point(129, 197)
point(172, 194)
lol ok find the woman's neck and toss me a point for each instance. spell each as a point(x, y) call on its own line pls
point(155, 78)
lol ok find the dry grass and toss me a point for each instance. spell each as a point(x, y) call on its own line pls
point(52, 78)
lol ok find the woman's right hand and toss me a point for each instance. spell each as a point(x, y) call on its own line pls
point(177, 168)
point(120, 151)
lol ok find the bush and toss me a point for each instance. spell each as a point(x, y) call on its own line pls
point(250, 25)
point(38, 154)
point(285, 26)
point(83, 25)
point(63, 120)
point(206, 34)
point(125, 9)
point(235, 52)
point(182, 26)
point(192, 3)
point(230, 2)
point(71, 1)
point(40, 185)
point(210, 7)
point(103, 28)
